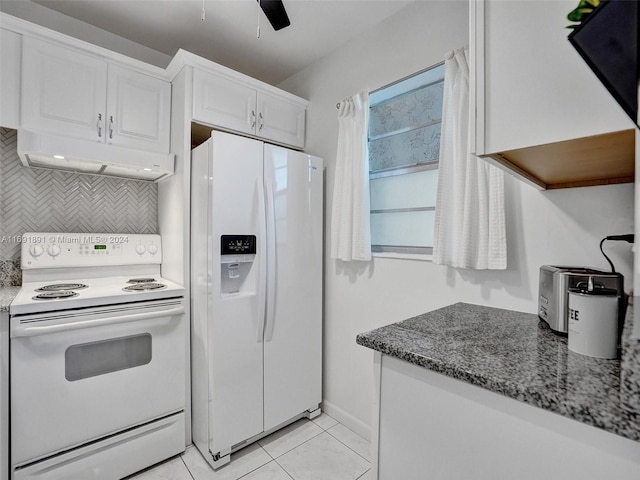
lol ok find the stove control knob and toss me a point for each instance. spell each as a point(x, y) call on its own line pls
point(36, 250)
point(153, 249)
point(140, 249)
point(53, 250)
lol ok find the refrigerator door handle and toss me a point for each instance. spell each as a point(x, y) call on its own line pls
point(271, 263)
point(262, 243)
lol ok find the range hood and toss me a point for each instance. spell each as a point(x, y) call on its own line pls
point(42, 150)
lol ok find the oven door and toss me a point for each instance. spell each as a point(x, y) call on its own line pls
point(80, 375)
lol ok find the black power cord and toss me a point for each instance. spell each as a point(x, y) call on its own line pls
point(629, 238)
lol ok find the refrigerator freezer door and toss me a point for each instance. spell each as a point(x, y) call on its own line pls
point(293, 331)
point(235, 353)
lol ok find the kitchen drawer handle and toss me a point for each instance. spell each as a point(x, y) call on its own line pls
point(111, 126)
point(99, 125)
point(34, 330)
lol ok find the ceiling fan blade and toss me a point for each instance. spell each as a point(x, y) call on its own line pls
point(275, 12)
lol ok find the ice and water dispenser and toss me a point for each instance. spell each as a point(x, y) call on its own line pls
point(237, 254)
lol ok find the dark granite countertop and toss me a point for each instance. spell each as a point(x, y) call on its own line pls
point(7, 294)
point(517, 355)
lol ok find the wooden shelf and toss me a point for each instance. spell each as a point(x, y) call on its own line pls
point(597, 160)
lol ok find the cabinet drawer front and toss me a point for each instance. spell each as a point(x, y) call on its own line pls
point(115, 456)
point(223, 103)
point(63, 90)
point(138, 113)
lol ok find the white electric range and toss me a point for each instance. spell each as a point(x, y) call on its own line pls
point(97, 358)
point(65, 271)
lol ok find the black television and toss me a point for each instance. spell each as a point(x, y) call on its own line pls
point(608, 41)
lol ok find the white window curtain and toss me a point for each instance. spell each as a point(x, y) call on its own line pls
point(469, 229)
point(350, 229)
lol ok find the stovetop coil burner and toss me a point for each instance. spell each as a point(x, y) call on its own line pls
point(55, 295)
point(141, 280)
point(142, 287)
point(58, 287)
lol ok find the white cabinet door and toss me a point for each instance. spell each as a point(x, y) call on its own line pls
point(64, 91)
point(532, 84)
point(138, 110)
point(10, 47)
point(224, 103)
point(280, 120)
point(429, 422)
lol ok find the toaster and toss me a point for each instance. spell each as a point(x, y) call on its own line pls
point(553, 292)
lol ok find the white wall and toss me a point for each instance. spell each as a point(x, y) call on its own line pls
point(555, 227)
point(40, 15)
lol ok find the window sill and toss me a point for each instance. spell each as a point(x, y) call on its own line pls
point(422, 257)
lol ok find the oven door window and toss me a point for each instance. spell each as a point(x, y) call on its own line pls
point(98, 358)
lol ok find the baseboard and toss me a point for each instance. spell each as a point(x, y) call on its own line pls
point(347, 419)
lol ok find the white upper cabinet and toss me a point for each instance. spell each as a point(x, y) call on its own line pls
point(530, 88)
point(64, 91)
point(223, 102)
point(10, 52)
point(138, 110)
point(239, 107)
point(537, 89)
point(76, 94)
point(280, 120)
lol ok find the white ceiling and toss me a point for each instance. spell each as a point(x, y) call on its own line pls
point(228, 34)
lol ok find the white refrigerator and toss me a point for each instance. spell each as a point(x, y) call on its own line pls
point(256, 266)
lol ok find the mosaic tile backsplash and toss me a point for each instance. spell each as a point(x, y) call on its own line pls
point(39, 200)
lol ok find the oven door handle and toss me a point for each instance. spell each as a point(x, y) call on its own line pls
point(65, 326)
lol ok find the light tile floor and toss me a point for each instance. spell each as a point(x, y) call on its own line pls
point(318, 449)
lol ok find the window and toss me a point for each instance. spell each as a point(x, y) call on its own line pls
point(404, 145)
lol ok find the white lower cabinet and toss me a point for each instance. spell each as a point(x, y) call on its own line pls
point(430, 426)
point(72, 93)
point(233, 105)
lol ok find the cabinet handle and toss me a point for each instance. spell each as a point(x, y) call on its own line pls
point(261, 122)
point(253, 118)
point(99, 125)
point(111, 126)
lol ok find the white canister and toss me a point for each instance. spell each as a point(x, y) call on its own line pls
point(593, 322)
